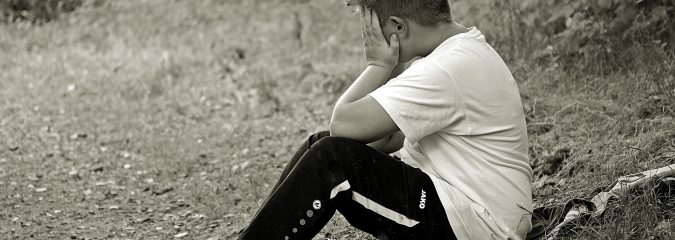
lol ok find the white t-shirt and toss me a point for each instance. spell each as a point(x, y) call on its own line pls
point(460, 111)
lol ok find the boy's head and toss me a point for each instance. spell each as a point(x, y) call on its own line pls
point(423, 12)
point(411, 20)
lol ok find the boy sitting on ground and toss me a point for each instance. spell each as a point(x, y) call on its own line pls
point(456, 116)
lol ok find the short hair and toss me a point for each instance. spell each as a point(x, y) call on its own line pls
point(422, 12)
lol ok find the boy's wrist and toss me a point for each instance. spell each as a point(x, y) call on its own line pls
point(386, 66)
point(384, 69)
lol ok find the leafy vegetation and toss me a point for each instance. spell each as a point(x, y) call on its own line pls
point(36, 11)
point(580, 30)
point(154, 119)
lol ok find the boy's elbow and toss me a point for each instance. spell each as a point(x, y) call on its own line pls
point(338, 128)
point(338, 124)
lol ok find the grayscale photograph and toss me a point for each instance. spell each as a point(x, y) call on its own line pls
point(337, 119)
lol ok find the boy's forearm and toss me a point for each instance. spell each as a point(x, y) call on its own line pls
point(389, 144)
point(359, 90)
point(370, 79)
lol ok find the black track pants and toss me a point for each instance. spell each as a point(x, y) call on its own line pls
point(374, 191)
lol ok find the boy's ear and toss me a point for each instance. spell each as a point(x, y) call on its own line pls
point(398, 25)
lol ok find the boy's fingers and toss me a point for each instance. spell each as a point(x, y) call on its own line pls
point(369, 17)
point(375, 22)
point(370, 30)
point(363, 19)
point(364, 24)
point(394, 44)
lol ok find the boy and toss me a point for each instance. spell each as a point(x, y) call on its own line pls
point(455, 114)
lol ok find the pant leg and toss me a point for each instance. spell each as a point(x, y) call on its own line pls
point(298, 154)
point(376, 193)
point(302, 149)
point(392, 200)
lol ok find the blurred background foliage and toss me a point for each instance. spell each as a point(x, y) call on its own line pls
point(555, 31)
point(569, 31)
point(36, 11)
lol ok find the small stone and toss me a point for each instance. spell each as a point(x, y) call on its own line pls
point(180, 235)
point(244, 164)
point(42, 189)
point(663, 226)
point(71, 88)
point(114, 207)
point(127, 166)
point(33, 177)
point(79, 135)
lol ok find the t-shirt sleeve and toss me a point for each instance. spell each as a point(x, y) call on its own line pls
point(422, 100)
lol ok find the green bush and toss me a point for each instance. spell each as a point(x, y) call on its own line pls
point(35, 11)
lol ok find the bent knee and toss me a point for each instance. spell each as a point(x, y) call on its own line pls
point(339, 152)
point(329, 143)
point(317, 136)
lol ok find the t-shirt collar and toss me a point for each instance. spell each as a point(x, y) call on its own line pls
point(472, 33)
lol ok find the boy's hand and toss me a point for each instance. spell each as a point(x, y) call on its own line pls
point(378, 51)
